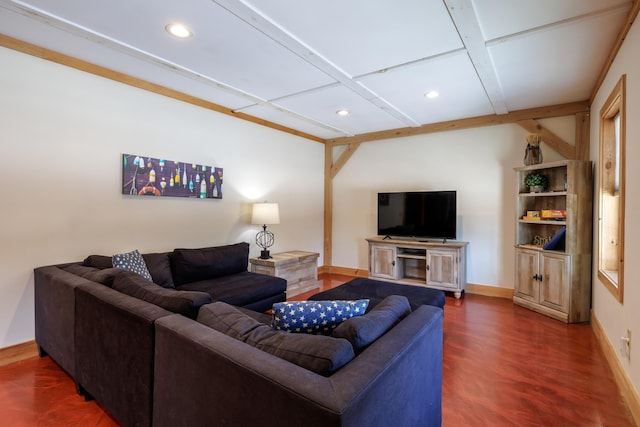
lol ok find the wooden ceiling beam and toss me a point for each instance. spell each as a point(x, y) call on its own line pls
point(488, 120)
point(343, 159)
point(97, 70)
point(583, 136)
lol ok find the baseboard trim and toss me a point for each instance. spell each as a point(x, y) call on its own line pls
point(18, 352)
point(627, 390)
point(490, 291)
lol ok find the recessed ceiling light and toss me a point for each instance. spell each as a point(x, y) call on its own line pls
point(178, 30)
point(342, 112)
point(432, 94)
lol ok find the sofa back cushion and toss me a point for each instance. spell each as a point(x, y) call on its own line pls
point(193, 265)
point(160, 268)
point(105, 276)
point(363, 330)
point(98, 261)
point(157, 264)
point(321, 354)
point(186, 303)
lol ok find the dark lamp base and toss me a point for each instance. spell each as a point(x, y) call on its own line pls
point(264, 254)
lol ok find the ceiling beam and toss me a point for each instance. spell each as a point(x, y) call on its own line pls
point(488, 120)
point(343, 159)
point(583, 135)
point(97, 70)
point(464, 18)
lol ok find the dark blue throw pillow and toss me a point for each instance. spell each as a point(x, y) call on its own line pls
point(315, 317)
point(132, 261)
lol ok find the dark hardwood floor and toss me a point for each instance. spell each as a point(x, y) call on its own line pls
point(503, 366)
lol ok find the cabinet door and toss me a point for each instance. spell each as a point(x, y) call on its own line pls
point(526, 285)
point(554, 288)
point(383, 261)
point(442, 268)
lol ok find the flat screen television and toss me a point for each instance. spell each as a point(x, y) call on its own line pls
point(418, 214)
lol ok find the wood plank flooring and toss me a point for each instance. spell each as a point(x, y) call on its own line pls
point(503, 366)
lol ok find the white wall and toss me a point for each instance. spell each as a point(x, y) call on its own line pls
point(616, 318)
point(62, 135)
point(478, 163)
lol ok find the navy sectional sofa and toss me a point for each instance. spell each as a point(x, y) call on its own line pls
point(151, 354)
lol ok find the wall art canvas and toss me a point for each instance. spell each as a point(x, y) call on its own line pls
point(147, 176)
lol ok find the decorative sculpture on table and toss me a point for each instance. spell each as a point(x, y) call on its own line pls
point(533, 152)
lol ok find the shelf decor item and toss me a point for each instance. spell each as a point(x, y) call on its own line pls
point(533, 152)
point(536, 182)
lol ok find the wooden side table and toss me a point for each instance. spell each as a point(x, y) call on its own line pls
point(298, 268)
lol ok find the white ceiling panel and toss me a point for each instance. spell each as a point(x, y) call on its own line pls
point(527, 65)
point(362, 36)
point(321, 105)
point(295, 63)
point(270, 71)
point(293, 122)
point(525, 15)
point(452, 76)
point(121, 60)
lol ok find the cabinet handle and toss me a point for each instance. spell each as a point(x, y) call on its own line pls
point(393, 262)
point(427, 267)
point(538, 277)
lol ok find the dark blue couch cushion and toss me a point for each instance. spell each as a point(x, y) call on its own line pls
point(240, 289)
point(100, 275)
point(157, 264)
point(323, 355)
point(183, 302)
point(361, 331)
point(193, 265)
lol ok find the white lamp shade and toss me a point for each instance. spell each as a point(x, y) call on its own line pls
point(265, 213)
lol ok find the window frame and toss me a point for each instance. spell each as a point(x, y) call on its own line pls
point(611, 191)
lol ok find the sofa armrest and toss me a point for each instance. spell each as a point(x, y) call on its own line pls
point(115, 342)
point(222, 381)
point(54, 298)
point(398, 379)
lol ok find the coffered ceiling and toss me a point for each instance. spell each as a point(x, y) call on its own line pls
point(296, 63)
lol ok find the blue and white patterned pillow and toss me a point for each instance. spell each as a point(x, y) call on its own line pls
point(132, 261)
point(315, 317)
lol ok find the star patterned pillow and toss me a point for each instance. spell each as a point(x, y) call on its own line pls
point(315, 317)
point(132, 261)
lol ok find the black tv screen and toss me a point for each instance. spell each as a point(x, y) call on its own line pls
point(420, 214)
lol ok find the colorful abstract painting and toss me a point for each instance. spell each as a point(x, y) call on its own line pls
point(147, 176)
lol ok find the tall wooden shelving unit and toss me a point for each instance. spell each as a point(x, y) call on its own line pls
point(556, 283)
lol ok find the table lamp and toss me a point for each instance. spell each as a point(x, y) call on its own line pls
point(265, 213)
